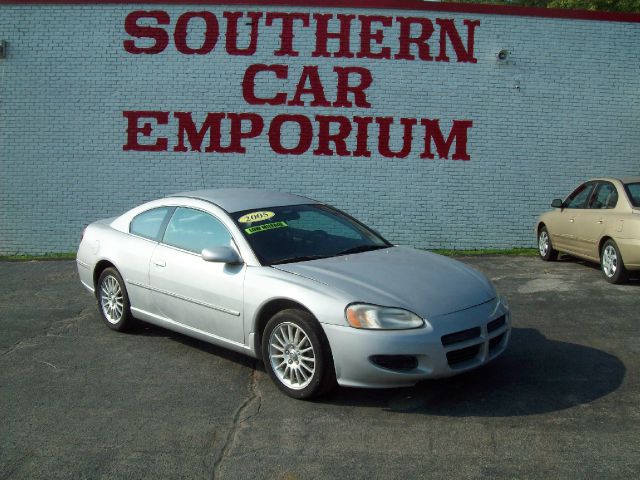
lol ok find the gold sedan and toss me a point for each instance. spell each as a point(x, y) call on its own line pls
point(599, 221)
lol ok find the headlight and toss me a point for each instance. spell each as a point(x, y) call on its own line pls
point(504, 301)
point(371, 316)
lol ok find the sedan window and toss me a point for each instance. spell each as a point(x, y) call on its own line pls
point(148, 224)
point(194, 231)
point(633, 189)
point(605, 196)
point(579, 197)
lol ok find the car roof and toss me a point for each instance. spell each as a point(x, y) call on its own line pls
point(630, 179)
point(620, 179)
point(240, 199)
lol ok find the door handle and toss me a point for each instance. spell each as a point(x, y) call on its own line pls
point(572, 220)
point(600, 221)
point(159, 262)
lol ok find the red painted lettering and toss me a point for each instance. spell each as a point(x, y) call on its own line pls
point(304, 139)
point(232, 33)
point(210, 34)
point(286, 32)
point(134, 129)
point(362, 137)
point(315, 88)
point(384, 139)
point(194, 136)
point(325, 136)
point(367, 37)
point(343, 88)
point(249, 84)
point(405, 39)
point(448, 29)
point(160, 35)
point(458, 133)
point(237, 135)
point(323, 35)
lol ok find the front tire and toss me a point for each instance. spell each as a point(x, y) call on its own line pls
point(611, 263)
point(113, 301)
point(296, 354)
point(545, 248)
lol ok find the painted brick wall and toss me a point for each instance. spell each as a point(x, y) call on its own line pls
point(566, 106)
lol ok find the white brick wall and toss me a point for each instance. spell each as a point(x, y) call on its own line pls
point(67, 80)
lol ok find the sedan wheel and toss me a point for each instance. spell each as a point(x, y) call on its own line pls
point(545, 249)
point(611, 263)
point(297, 354)
point(113, 300)
point(291, 354)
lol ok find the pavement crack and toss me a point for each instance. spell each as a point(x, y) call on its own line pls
point(19, 345)
point(247, 410)
point(68, 327)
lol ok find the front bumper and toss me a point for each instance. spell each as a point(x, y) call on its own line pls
point(472, 337)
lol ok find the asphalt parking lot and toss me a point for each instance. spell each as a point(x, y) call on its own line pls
point(78, 400)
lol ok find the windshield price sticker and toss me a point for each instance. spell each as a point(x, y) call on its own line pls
point(256, 217)
point(266, 226)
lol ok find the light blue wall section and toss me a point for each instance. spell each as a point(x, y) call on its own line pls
point(67, 80)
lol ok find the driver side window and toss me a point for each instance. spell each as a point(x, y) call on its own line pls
point(579, 197)
point(193, 230)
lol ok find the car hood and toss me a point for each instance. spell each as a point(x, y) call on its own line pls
point(423, 282)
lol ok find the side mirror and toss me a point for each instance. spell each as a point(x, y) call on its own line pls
point(221, 255)
point(557, 203)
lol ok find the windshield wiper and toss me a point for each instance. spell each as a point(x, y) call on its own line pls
point(299, 259)
point(361, 248)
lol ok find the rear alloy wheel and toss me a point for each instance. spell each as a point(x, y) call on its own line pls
point(296, 354)
point(545, 249)
point(113, 300)
point(611, 263)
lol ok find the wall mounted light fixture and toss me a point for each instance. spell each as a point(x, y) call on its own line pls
point(502, 55)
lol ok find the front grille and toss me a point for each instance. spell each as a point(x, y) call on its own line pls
point(495, 341)
point(461, 336)
point(496, 324)
point(463, 355)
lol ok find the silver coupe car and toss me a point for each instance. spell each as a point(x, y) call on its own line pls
point(318, 296)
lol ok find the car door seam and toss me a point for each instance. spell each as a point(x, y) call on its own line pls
point(187, 299)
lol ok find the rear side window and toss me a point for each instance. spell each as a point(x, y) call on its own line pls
point(633, 189)
point(606, 196)
point(148, 224)
point(194, 231)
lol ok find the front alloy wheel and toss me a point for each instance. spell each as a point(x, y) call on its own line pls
point(291, 355)
point(296, 354)
point(545, 249)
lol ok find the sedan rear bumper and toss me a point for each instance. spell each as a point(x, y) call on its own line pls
point(630, 251)
point(446, 346)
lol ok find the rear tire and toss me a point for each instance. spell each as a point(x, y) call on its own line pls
point(297, 355)
point(113, 301)
point(545, 248)
point(611, 263)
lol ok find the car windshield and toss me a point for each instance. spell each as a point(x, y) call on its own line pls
point(296, 233)
point(633, 190)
